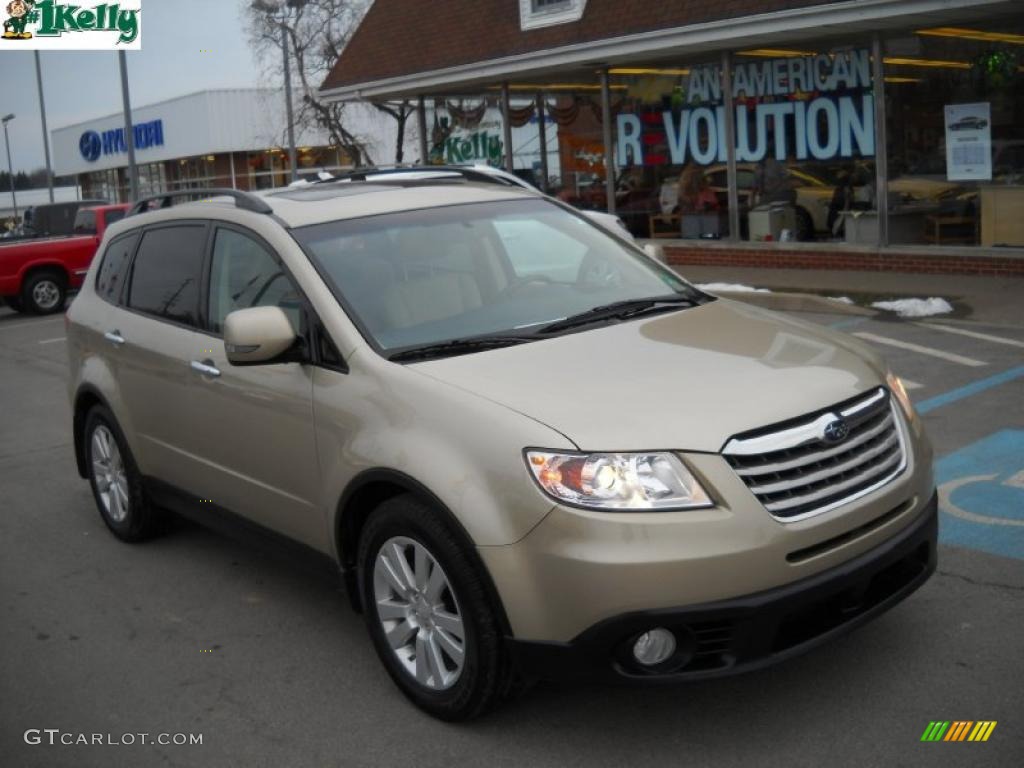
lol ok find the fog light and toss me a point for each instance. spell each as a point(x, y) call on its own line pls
point(654, 647)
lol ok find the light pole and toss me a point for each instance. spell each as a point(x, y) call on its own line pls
point(272, 9)
point(10, 168)
point(129, 130)
point(46, 135)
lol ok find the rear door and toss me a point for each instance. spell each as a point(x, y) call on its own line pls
point(157, 338)
point(252, 427)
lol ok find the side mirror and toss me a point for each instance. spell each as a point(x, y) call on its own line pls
point(257, 335)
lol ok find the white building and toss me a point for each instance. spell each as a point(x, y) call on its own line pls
point(216, 138)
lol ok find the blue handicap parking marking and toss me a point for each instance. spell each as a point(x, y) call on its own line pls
point(981, 495)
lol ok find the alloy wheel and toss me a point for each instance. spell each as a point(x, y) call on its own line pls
point(109, 474)
point(419, 613)
point(46, 294)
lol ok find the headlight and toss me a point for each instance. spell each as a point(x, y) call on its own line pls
point(617, 481)
point(897, 388)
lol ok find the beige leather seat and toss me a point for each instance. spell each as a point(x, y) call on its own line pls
point(431, 285)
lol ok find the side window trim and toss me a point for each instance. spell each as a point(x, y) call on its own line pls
point(121, 298)
point(142, 231)
point(204, 298)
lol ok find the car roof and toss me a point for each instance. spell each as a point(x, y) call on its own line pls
point(319, 203)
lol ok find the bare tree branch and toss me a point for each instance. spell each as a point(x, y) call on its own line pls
point(317, 32)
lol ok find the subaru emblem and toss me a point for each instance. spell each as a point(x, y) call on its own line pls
point(836, 431)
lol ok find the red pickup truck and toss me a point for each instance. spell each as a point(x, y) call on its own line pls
point(36, 275)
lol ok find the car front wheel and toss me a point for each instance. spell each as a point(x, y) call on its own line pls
point(429, 614)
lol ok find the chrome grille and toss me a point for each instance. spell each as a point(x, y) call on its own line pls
point(795, 471)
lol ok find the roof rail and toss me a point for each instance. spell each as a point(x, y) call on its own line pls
point(469, 173)
point(244, 200)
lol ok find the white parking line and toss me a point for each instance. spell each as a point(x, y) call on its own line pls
point(960, 359)
point(972, 334)
point(908, 384)
point(64, 338)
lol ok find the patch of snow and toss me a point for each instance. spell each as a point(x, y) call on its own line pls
point(730, 287)
point(916, 307)
point(840, 299)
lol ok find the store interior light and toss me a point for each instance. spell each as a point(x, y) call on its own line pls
point(556, 87)
point(776, 53)
point(934, 63)
point(645, 71)
point(903, 80)
point(973, 34)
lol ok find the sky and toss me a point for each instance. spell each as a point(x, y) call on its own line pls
point(79, 85)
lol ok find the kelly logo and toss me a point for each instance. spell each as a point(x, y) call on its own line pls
point(51, 25)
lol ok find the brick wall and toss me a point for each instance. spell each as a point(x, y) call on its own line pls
point(888, 260)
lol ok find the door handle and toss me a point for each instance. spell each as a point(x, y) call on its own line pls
point(114, 337)
point(206, 368)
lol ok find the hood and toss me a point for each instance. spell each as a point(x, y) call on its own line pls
point(688, 380)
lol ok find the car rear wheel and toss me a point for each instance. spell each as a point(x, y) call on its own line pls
point(116, 481)
point(44, 293)
point(429, 614)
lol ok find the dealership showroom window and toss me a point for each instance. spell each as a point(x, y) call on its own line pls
point(806, 141)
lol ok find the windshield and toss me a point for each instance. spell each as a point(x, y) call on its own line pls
point(439, 274)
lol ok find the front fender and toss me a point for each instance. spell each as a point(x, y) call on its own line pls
point(464, 449)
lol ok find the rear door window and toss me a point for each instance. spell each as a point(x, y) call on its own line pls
point(167, 272)
point(114, 268)
point(85, 223)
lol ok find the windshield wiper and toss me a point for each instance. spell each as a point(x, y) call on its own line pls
point(458, 347)
point(620, 310)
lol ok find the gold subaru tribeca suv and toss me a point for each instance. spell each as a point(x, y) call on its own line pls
point(531, 451)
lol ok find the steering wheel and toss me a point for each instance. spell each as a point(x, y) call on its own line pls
point(520, 282)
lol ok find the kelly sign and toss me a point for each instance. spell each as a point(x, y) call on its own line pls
point(51, 25)
point(804, 107)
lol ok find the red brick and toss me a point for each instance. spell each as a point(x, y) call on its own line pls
point(891, 260)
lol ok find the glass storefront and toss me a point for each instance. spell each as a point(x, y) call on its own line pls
point(807, 141)
point(955, 135)
point(670, 150)
point(804, 130)
point(191, 172)
point(101, 185)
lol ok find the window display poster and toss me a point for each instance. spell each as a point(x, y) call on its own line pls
point(968, 142)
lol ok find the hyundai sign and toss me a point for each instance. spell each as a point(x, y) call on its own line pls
point(92, 144)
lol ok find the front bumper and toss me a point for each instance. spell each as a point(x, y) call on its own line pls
point(744, 633)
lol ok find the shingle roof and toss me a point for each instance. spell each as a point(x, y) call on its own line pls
point(403, 37)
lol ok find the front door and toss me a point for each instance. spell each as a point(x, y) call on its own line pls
point(253, 427)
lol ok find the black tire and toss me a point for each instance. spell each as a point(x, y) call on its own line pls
point(14, 302)
point(141, 520)
point(804, 225)
point(487, 676)
point(44, 292)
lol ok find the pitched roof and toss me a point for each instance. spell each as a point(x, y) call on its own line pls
point(403, 37)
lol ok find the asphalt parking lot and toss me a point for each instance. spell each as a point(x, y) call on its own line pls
point(196, 633)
